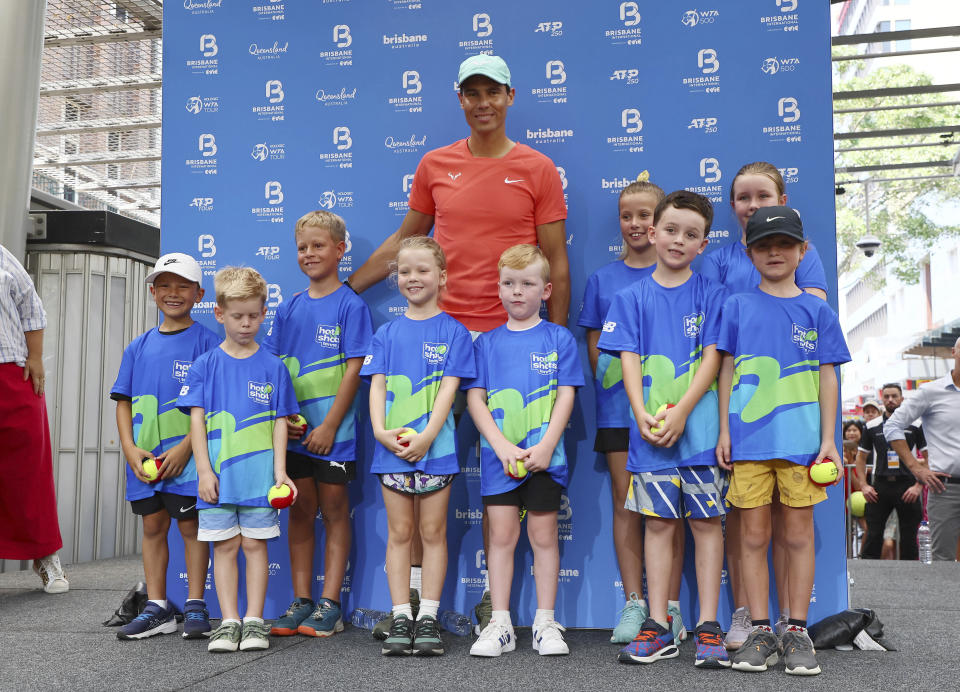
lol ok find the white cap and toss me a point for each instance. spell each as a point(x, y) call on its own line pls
point(179, 264)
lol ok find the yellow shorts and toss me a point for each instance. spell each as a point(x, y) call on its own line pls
point(751, 484)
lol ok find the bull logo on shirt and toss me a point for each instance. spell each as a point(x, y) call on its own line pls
point(804, 337)
point(692, 324)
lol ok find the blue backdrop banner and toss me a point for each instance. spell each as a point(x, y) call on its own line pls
point(273, 108)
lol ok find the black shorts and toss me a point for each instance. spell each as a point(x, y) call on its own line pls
point(177, 506)
point(611, 440)
point(321, 470)
point(539, 494)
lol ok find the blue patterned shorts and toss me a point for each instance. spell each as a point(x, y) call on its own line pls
point(415, 482)
point(688, 492)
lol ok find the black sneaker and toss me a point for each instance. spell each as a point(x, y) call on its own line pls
point(400, 640)
point(153, 620)
point(196, 620)
point(799, 656)
point(758, 653)
point(426, 637)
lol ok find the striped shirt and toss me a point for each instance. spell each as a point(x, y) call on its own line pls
point(20, 309)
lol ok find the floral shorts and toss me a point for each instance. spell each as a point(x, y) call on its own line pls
point(415, 482)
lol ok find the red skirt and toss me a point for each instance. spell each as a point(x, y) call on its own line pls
point(29, 528)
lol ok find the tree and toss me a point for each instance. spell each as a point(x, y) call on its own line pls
point(899, 211)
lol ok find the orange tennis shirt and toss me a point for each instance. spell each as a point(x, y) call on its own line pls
point(482, 206)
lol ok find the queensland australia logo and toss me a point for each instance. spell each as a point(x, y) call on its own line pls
point(269, 10)
point(200, 7)
point(804, 337)
point(202, 104)
point(549, 135)
point(180, 369)
point(205, 61)
point(707, 78)
point(775, 65)
point(625, 30)
point(339, 54)
point(481, 40)
point(692, 324)
point(336, 98)
point(268, 151)
point(404, 40)
point(267, 51)
point(554, 88)
point(260, 391)
point(328, 336)
point(629, 138)
point(405, 145)
point(435, 354)
point(787, 17)
point(409, 100)
point(544, 363)
point(692, 18)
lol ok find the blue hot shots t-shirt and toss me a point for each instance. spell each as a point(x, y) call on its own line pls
point(521, 371)
point(314, 337)
point(778, 345)
point(415, 355)
point(241, 399)
point(153, 369)
point(730, 266)
point(613, 407)
point(669, 328)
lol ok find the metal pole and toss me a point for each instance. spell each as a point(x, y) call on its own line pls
point(21, 48)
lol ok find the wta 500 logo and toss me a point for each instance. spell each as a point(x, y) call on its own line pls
point(692, 18)
point(435, 353)
point(775, 65)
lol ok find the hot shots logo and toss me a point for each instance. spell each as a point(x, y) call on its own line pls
point(435, 354)
point(269, 10)
point(268, 51)
point(627, 31)
point(788, 19)
point(692, 324)
point(207, 62)
point(259, 391)
point(202, 104)
point(555, 79)
point(549, 135)
point(544, 363)
point(804, 337)
point(180, 369)
point(340, 54)
point(328, 336)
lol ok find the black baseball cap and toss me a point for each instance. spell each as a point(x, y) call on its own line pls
point(768, 221)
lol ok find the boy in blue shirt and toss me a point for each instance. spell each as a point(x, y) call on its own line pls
point(153, 368)
point(779, 386)
point(664, 327)
point(521, 400)
point(322, 335)
point(235, 393)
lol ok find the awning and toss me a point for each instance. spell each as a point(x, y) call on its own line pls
point(936, 343)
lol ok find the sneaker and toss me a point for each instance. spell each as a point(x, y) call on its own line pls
point(740, 628)
point(679, 631)
point(325, 620)
point(382, 629)
point(758, 653)
point(484, 611)
point(652, 643)
point(51, 573)
point(400, 640)
point(426, 637)
point(631, 620)
point(196, 620)
point(799, 656)
point(299, 610)
point(710, 650)
point(225, 638)
point(494, 640)
point(254, 636)
point(548, 640)
point(782, 623)
point(153, 620)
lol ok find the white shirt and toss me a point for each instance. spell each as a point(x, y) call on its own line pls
point(937, 403)
point(20, 309)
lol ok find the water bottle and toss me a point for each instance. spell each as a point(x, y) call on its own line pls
point(455, 623)
point(367, 619)
point(924, 543)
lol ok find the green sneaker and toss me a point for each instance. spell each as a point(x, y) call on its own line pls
point(286, 625)
point(255, 636)
point(225, 638)
point(679, 631)
point(483, 611)
point(382, 630)
point(426, 637)
point(631, 620)
point(400, 640)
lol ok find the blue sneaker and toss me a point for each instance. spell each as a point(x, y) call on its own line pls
point(196, 620)
point(153, 620)
point(288, 624)
point(632, 617)
point(711, 653)
point(650, 645)
point(325, 620)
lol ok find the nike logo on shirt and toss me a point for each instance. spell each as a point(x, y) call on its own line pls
point(510, 182)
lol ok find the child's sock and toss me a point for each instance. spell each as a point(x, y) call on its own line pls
point(231, 621)
point(792, 622)
point(162, 603)
point(336, 603)
point(664, 625)
point(673, 604)
point(251, 618)
point(502, 617)
point(641, 601)
point(542, 615)
point(764, 623)
point(416, 577)
point(403, 609)
point(428, 607)
point(195, 600)
point(486, 581)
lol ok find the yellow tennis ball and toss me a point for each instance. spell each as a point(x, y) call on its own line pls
point(824, 473)
point(406, 432)
point(659, 426)
point(857, 503)
point(151, 469)
point(521, 470)
point(280, 497)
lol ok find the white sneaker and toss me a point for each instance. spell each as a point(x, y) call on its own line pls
point(51, 573)
point(494, 640)
point(548, 640)
point(740, 628)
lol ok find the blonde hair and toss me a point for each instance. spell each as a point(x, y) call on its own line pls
point(422, 242)
point(522, 256)
point(761, 168)
point(239, 283)
point(334, 224)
